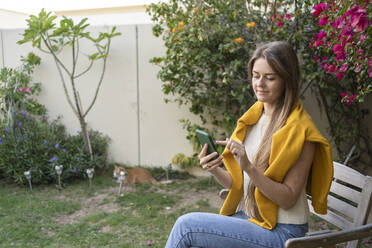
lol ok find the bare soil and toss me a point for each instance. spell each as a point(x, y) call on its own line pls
point(105, 202)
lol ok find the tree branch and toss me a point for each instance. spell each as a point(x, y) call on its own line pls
point(101, 78)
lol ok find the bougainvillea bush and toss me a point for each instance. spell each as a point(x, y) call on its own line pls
point(343, 45)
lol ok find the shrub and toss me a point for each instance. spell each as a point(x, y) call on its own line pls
point(36, 144)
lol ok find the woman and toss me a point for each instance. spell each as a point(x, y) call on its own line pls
point(273, 154)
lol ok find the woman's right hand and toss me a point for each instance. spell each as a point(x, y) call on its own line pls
point(206, 161)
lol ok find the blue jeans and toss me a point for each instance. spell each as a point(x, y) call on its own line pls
point(213, 231)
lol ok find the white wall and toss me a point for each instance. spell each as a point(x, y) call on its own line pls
point(11, 19)
point(158, 135)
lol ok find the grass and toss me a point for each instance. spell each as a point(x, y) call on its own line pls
point(77, 216)
point(41, 218)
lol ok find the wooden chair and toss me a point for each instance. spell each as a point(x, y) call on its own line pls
point(349, 203)
point(331, 239)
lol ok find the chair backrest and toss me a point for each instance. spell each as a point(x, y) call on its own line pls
point(349, 200)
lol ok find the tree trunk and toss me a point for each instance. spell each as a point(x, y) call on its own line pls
point(84, 133)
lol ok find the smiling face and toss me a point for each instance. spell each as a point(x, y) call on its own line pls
point(267, 85)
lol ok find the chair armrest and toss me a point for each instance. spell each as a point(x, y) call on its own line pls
point(332, 238)
point(309, 234)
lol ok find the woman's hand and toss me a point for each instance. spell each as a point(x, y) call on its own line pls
point(238, 151)
point(206, 161)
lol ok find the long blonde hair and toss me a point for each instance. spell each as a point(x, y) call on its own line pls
point(284, 62)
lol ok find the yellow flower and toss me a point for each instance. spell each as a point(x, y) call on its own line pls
point(180, 24)
point(175, 29)
point(207, 10)
point(251, 24)
point(239, 40)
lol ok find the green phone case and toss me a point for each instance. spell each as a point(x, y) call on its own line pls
point(206, 138)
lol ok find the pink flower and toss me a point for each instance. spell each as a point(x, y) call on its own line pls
point(332, 68)
point(352, 97)
point(339, 75)
point(362, 37)
point(317, 43)
point(28, 90)
point(148, 243)
point(358, 68)
point(337, 49)
point(325, 66)
point(324, 58)
point(348, 31)
point(315, 58)
point(359, 19)
point(339, 22)
point(319, 9)
point(321, 34)
point(360, 51)
point(343, 94)
point(288, 16)
point(323, 21)
point(344, 68)
point(340, 56)
point(21, 89)
point(280, 24)
point(370, 72)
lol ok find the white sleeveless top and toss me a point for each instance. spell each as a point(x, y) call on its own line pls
point(299, 213)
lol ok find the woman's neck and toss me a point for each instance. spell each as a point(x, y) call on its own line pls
point(268, 109)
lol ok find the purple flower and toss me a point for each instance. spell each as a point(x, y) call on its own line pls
point(1, 141)
point(63, 150)
point(7, 129)
point(26, 139)
point(20, 124)
point(45, 142)
point(73, 170)
point(53, 159)
point(57, 145)
point(23, 112)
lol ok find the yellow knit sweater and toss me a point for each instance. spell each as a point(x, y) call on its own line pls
point(286, 147)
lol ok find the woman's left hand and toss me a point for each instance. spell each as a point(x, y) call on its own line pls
point(238, 151)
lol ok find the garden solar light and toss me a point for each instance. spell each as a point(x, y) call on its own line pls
point(28, 177)
point(121, 179)
point(58, 169)
point(90, 173)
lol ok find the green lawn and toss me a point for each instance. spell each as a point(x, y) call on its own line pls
point(77, 216)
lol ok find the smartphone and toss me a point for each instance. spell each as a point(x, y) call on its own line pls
point(206, 138)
